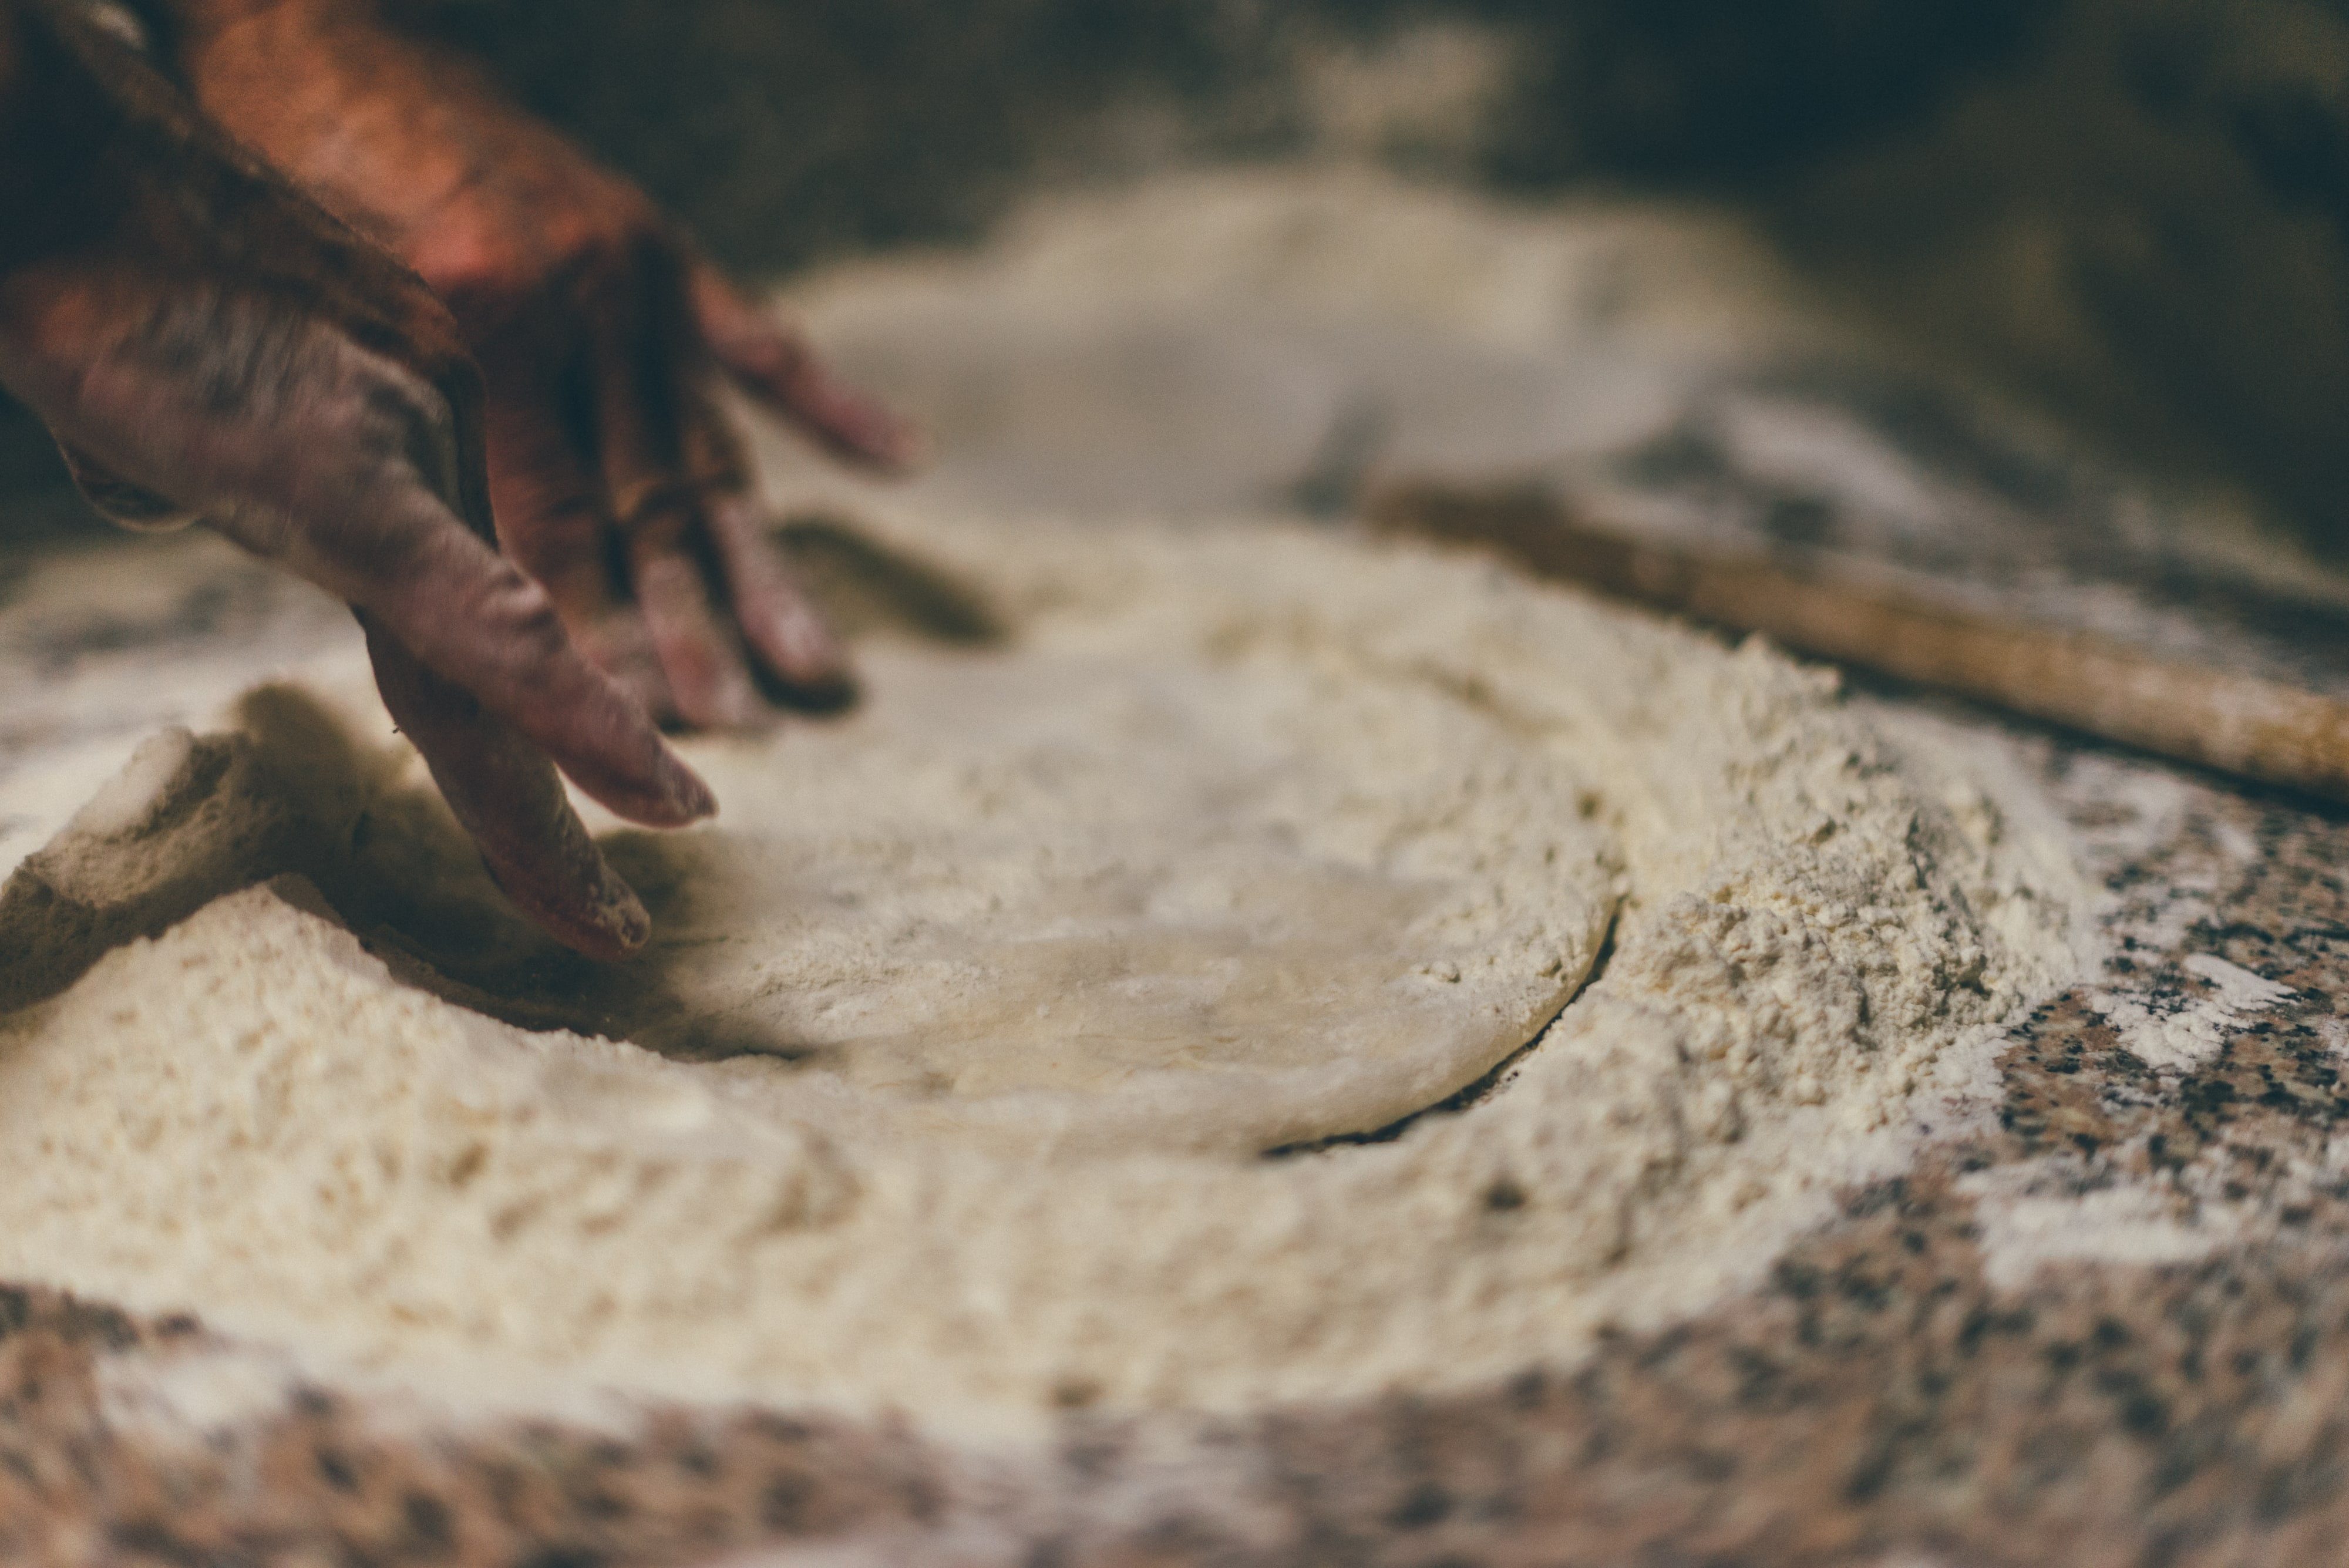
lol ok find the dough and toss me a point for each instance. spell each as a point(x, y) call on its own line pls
point(975, 1015)
point(1162, 880)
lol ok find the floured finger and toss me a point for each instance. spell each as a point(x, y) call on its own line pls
point(704, 667)
point(504, 793)
point(778, 618)
point(476, 620)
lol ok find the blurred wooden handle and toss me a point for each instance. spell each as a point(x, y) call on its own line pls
point(2235, 723)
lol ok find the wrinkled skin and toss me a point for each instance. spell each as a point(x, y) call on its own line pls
point(602, 336)
point(205, 341)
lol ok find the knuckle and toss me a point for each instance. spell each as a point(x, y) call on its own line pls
point(469, 269)
point(436, 343)
point(531, 620)
point(417, 422)
point(371, 426)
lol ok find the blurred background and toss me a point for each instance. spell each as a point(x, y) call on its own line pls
point(2133, 214)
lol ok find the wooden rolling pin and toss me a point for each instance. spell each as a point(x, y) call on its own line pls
point(2234, 723)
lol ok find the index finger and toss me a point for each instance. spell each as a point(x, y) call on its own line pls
point(504, 793)
point(473, 619)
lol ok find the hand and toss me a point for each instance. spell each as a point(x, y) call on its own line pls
point(205, 341)
point(615, 478)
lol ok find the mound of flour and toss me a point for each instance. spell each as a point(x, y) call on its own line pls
point(970, 1023)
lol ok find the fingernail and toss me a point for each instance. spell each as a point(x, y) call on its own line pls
point(738, 705)
point(621, 914)
point(814, 657)
point(684, 789)
point(608, 925)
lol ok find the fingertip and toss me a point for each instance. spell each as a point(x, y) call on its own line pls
point(851, 423)
point(502, 791)
point(706, 676)
point(658, 788)
point(801, 662)
point(595, 913)
point(805, 652)
point(609, 748)
point(687, 793)
point(865, 430)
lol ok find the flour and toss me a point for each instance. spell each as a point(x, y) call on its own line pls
point(2176, 1033)
point(2030, 1217)
point(1180, 869)
point(1346, 823)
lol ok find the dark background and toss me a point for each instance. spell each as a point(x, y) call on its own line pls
point(2136, 212)
point(790, 129)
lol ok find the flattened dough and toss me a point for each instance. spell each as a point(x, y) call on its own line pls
point(1138, 881)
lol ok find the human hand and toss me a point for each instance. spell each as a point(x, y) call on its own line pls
point(616, 479)
point(204, 341)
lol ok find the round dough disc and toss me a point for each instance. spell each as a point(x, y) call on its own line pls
point(1136, 885)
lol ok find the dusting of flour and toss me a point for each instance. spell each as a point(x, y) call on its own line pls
point(975, 1014)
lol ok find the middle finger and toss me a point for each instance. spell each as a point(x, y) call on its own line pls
point(659, 501)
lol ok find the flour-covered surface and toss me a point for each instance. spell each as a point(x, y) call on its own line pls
point(1009, 999)
point(1917, 1382)
point(2102, 1319)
